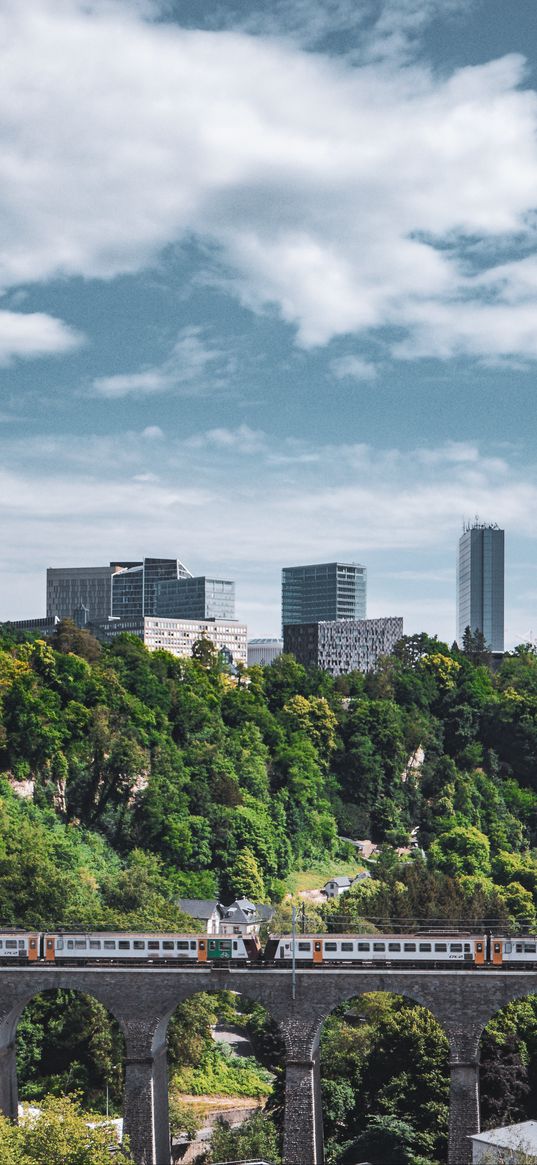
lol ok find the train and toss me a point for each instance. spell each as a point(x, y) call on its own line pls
point(120, 948)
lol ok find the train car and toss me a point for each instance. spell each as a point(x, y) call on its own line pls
point(19, 946)
point(70, 948)
point(371, 950)
point(516, 953)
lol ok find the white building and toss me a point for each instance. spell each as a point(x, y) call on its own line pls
point(178, 636)
point(336, 886)
point(510, 1145)
point(263, 651)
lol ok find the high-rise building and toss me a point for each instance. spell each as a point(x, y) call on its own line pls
point(135, 589)
point(196, 598)
point(480, 583)
point(70, 587)
point(326, 591)
point(342, 645)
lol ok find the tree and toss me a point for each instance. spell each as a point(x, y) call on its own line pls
point(475, 646)
point(205, 653)
point(255, 1138)
point(60, 1135)
point(461, 850)
point(246, 877)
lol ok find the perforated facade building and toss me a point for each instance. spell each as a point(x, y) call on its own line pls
point(343, 645)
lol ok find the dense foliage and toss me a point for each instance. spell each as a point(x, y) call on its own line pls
point(130, 779)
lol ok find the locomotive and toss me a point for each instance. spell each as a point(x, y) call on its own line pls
point(121, 948)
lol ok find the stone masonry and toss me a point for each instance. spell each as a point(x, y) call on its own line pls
point(143, 1000)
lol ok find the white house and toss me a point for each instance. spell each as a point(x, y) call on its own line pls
point(510, 1145)
point(204, 910)
point(243, 917)
point(336, 886)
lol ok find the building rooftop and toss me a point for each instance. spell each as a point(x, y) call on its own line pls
point(521, 1136)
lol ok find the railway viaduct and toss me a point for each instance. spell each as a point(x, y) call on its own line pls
point(143, 1000)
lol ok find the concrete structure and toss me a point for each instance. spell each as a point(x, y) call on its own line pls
point(510, 1145)
point(144, 999)
point(135, 589)
point(196, 598)
point(178, 636)
point(325, 591)
point(70, 587)
point(480, 583)
point(342, 646)
point(263, 651)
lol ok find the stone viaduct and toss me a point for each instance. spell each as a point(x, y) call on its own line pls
point(143, 1000)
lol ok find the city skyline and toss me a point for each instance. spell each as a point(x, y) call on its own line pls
point(285, 311)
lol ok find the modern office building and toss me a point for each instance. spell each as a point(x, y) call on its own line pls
point(43, 625)
point(72, 587)
point(263, 651)
point(326, 591)
point(480, 583)
point(343, 645)
point(178, 636)
point(134, 590)
point(196, 598)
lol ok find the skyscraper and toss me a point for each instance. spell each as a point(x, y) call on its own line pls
point(480, 583)
point(326, 591)
point(69, 587)
point(134, 591)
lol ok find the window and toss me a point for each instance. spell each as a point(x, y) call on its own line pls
point(518, 948)
point(456, 947)
point(425, 947)
point(394, 946)
point(11, 944)
point(123, 945)
point(152, 945)
point(95, 944)
point(304, 947)
point(529, 948)
point(346, 946)
point(167, 945)
point(330, 946)
point(193, 946)
point(379, 947)
point(138, 945)
point(109, 944)
point(182, 946)
point(235, 946)
point(70, 944)
point(21, 944)
point(50, 944)
point(440, 947)
point(363, 946)
point(467, 946)
point(508, 948)
point(409, 946)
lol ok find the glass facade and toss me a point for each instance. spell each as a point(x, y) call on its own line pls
point(196, 598)
point(69, 588)
point(134, 591)
point(326, 591)
point(480, 584)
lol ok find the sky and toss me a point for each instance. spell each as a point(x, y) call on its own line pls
point(268, 293)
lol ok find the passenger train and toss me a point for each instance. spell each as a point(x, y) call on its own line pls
point(119, 948)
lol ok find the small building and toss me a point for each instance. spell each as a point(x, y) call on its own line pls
point(264, 651)
point(336, 886)
point(510, 1145)
point(243, 917)
point(203, 910)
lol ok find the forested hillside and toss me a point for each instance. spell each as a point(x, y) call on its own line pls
point(129, 779)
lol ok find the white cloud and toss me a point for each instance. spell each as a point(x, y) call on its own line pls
point(241, 440)
point(152, 433)
point(24, 336)
point(194, 368)
point(353, 368)
point(344, 194)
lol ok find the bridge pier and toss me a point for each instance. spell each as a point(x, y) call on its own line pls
point(463, 1110)
point(145, 1105)
point(9, 1097)
point(303, 1119)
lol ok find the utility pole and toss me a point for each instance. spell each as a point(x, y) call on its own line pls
point(293, 952)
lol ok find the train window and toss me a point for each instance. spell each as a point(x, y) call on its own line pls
point(235, 946)
point(167, 945)
point(124, 945)
point(95, 944)
point(508, 948)
point(518, 948)
point(440, 947)
point(59, 944)
point(409, 946)
point(1, 943)
point(109, 944)
point(394, 946)
point(425, 947)
point(182, 946)
point(379, 947)
point(455, 947)
point(529, 948)
point(10, 944)
point(21, 944)
point(193, 946)
point(497, 948)
point(479, 947)
point(80, 944)
point(212, 944)
point(304, 946)
point(138, 945)
point(467, 947)
point(363, 946)
point(70, 944)
point(331, 946)
point(152, 945)
point(346, 947)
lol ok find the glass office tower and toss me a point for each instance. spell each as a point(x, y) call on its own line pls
point(134, 591)
point(196, 598)
point(326, 591)
point(480, 583)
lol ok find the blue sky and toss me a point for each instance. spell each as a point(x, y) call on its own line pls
point(269, 293)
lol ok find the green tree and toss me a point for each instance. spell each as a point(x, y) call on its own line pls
point(60, 1135)
point(462, 850)
point(246, 877)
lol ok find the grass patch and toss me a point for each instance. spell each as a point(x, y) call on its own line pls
point(318, 873)
point(221, 1073)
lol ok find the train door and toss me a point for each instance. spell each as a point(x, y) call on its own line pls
point(33, 948)
point(496, 950)
point(202, 950)
point(50, 949)
point(479, 951)
point(317, 951)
